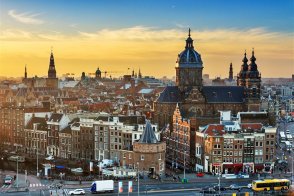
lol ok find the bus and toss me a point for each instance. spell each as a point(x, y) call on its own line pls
point(289, 137)
point(270, 184)
point(288, 145)
point(282, 137)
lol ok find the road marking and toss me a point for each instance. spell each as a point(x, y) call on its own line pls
point(173, 190)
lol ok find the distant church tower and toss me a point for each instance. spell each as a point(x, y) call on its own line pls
point(189, 67)
point(140, 74)
point(231, 72)
point(51, 71)
point(26, 74)
point(250, 78)
point(98, 74)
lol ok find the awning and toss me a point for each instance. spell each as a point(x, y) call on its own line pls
point(258, 166)
point(238, 164)
point(228, 165)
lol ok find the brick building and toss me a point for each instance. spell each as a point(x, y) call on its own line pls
point(148, 154)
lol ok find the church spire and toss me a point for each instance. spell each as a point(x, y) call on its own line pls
point(189, 41)
point(139, 74)
point(253, 59)
point(189, 32)
point(244, 67)
point(26, 74)
point(231, 72)
point(51, 70)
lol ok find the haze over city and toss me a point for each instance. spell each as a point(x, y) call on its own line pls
point(117, 35)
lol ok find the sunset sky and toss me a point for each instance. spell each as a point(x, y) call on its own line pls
point(145, 34)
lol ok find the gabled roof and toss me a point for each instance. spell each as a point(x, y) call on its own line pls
point(224, 94)
point(41, 123)
point(148, 135)
point(170, 94)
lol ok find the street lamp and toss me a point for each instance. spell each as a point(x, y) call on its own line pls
point(138, 178)
point(17, 172)
point(37, 147)
point(219, 177)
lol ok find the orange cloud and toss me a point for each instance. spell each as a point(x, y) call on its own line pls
point(153, 50)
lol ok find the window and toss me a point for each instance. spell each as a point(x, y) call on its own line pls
point(130, 156)
point(142, 157)
point(236, 146)
point(267, 142)
point(260, 143)
point(241, 146)
point(159, 156)
point(256, 143)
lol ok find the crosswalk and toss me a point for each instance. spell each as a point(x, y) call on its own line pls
point(37, 185)
point(59, 192)
point(5, 187)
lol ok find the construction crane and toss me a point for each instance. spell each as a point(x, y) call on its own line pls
point(110, 72)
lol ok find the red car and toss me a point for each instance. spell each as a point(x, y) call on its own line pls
point(200, 174)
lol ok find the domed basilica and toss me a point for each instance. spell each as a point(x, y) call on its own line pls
point(201, 103)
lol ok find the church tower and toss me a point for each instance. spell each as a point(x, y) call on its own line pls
point(51, 70)
point(189, 67)
point(250, 78)
point(231, 72)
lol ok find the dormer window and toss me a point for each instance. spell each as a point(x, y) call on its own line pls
point(230, 94)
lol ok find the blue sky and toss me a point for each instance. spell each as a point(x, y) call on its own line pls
point(200, 14)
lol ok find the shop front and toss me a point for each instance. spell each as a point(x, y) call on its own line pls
point(248, 168)
point(258, 168)
point(268, 167)
point(237, 167)
point(216, 168)
point(228, 168)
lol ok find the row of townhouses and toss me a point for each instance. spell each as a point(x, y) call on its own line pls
point(232, 146)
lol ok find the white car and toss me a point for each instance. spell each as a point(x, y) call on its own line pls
point(77, 192)
point(249, 186)
point(50, 158)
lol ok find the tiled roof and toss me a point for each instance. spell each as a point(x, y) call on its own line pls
point(214, 130)
point(251, 126)
point(223, 94)
point(170, 94)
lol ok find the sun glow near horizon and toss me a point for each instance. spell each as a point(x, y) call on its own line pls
point(151, 49)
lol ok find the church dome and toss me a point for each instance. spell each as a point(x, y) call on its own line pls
point(189, 57)
point(98, 72)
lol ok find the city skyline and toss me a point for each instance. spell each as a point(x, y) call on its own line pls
point(121, 36)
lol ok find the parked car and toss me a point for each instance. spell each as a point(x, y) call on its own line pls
point(235, 187)
point(77, 170)
point(8, 180)
point(77, 192)
point(50, 158)
point(221, 188)
point(200, 174)
point(208, 190)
